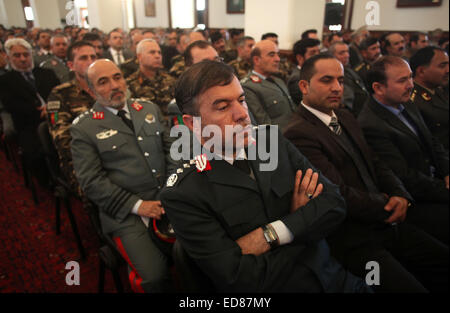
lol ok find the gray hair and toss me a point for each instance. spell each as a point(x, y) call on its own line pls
point(140, 45)
point(332, 48)
point(16, 42)
point(58, 36)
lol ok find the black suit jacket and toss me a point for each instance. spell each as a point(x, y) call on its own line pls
point(408, 156)
point(211, 210)
point(294, 89)
point(127, 54)
point(327, 153)
point(19, 97)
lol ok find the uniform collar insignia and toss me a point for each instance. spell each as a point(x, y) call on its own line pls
point(98, 115)
point(138, 107)
point(202, 163)
point(426, 97)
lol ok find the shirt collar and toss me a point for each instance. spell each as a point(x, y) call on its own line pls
point(240, 155)
point(115, 111)
point(325, 118)
point(259, 75)
point(391, 109)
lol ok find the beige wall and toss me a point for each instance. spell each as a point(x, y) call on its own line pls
point(218, 17)
point(12, 13)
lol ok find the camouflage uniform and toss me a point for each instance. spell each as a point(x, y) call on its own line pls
point(179, 66)
point(129, 67)
point(241, 68)
point(65, 103)
point(158, 89)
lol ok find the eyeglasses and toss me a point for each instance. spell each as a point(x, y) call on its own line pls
point(219, 59)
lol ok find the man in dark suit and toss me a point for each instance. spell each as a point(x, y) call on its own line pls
point(251, 226)
point(395, 130)
point(116, 51)
point(376, 199)
point(430, 69)
point(24, 91)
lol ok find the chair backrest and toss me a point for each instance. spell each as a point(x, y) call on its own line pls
point(51, 156)
point(192, 279)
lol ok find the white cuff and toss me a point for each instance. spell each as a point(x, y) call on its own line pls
point(284, 234)
point(135, 209)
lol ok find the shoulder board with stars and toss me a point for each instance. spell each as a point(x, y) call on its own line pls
point(180, 174)
point(244, 80)
point(256, 79)
point(82, 116)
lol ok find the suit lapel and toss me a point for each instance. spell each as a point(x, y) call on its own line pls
point(19, 78)
point(225, 174)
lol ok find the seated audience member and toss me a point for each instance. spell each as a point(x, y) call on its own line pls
point(130, 66)
point(310, 34)
point(151, 81)
point(303, 50)
point(180, 65)
point(242, 65)
point(377, 202)
point(357, 37)
point(267, 96)
point(199, 51)
point(355, 92)
point(57, 61)
point(23, 92)
point(218, 43)
point(121, 167)
point(395, 130)
point(430, 70)
point(117, 52)
point(285, 67)
point(394, 44)
point(66, 102)
point(3, 60)
point(417, 41)
point(370, 50)
point(277, 244)
point(42, 49)
point(235, 36)
point(96, 42)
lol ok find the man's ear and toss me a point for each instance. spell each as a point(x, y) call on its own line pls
point(70, 65)
point(420, 70)
point(300, 60)
point(304, 87)
point(188, 120)
point(378, 88)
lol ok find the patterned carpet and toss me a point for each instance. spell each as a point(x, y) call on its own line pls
point(32, 257)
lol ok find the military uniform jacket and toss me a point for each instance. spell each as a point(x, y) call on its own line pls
point(115, 166)
point(434, 109)
point(210, 210)
point(362, 70)
point(355, 92)
point(268, 101)
point(406, 154)
point(241, 68)
point(178, 67)
point(65, 103)
point(158, 90)
point(129, 67)
point(59, 67)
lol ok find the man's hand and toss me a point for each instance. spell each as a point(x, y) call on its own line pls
point(152, 209)
point(305, 189)
point(446, 181)
point(399, 207)
point(43, 109)
point(253, 243)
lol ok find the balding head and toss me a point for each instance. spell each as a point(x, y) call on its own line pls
point(106, 81)
point(265, 58)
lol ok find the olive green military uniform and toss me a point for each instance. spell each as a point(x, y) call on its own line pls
point(268, 100)
point(129, 67)
point(434, 108)
point(241, 67)
point(59, 67)
point(65, 103)
point(362, 70)
point(178, 67)
point(158, 90)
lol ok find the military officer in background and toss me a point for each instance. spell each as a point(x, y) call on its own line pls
point(179, 63)
point(267, 96)
point(121, 156)
point(370, 51)
point(430, 69)
point(242, 65)
point(57, 61)
point(66, 102)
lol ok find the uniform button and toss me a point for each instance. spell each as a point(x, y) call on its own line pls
point(153, 171)
point(147, 154)
point(114, 147)
point(157, 133)
point(275, 101)
point(140, 138)
point(438, 125)
point(159, 187)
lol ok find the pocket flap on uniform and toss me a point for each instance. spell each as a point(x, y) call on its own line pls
point(111, 144)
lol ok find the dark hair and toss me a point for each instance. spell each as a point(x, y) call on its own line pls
point(91, 37)
point(385, 42)
point(423, 57)
point(76, 45)
point(301, 46)
point(330, 36)
point(200, 44)
point(366, 43)
point(215, 37)
point(115, 30)
point(268, 35)
point(306, 33)
point(309, 67)
point(235, 32)
point(38, 35)
point(196, 80)
point(377, 73)
point(416, 36)
point(243, 40)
